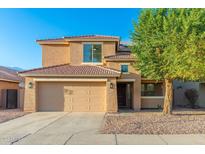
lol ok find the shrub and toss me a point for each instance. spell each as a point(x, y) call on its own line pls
point(192, 95)
point(159, 107)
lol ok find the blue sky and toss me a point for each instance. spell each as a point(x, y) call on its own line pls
point(19, 28)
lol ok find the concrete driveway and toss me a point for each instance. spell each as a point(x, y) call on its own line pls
point(77, 128)
point(49, 127)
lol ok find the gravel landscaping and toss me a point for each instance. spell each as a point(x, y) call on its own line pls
point(154, 123)
point(6, 115)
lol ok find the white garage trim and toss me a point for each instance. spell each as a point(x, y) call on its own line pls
point(69, 80)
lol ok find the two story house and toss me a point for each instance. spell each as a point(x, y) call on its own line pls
point(91, 73)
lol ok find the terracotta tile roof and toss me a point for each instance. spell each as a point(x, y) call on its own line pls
point(121, 56)
point(82, 37)
point(9, 75)
point(72, 70)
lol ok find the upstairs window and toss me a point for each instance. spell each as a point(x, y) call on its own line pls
point(124, 68)
point(92, 53)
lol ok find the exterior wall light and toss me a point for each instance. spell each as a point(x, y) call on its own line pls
point(30, 85)
point(112, 85)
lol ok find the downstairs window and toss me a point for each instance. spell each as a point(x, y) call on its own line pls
point(151, 89)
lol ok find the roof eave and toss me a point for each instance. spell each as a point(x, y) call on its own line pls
point(93, 39)
point(44, 42)
point(67, 40)
point(57, 75)
point(130, 60)
point(7, 80)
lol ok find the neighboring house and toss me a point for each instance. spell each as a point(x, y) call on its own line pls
point(92, 73)
point(11, 94)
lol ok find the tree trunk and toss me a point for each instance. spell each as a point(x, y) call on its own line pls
point(168, 97)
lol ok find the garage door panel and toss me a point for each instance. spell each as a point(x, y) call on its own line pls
point(97, 109)
point(97, 100)
point(53, 100)
point(72, 96)
point(97, 92)
point(80, 92)
point(80, 100)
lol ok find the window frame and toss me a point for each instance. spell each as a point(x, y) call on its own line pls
point(159, 96)
point(127, 68)
point(92, 43)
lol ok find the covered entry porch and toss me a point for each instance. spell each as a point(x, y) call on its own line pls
point(125, 95)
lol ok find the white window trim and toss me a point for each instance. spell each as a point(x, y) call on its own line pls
point(93, 63)
point(128, 64)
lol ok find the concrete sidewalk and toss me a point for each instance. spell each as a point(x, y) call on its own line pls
point(121, 139)
point(78, 129)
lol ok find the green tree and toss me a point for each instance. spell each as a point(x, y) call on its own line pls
point(169, 44)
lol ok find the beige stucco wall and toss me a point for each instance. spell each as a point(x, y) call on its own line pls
point(21, 98)
point(76, 53)
point(133, 76)
point(6, 85)
point(111, 94)
point(73, 53)
point(109, 48)
point(117, 66)
point(137, 94)
point(55, 54)
point(31, 96)
point(151, 102)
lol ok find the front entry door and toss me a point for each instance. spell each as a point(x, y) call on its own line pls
point(121, 95)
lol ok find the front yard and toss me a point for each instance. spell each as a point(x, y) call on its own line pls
point(6, 115)
point(154, 123)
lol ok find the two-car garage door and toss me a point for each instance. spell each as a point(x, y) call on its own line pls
point(72, 96)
